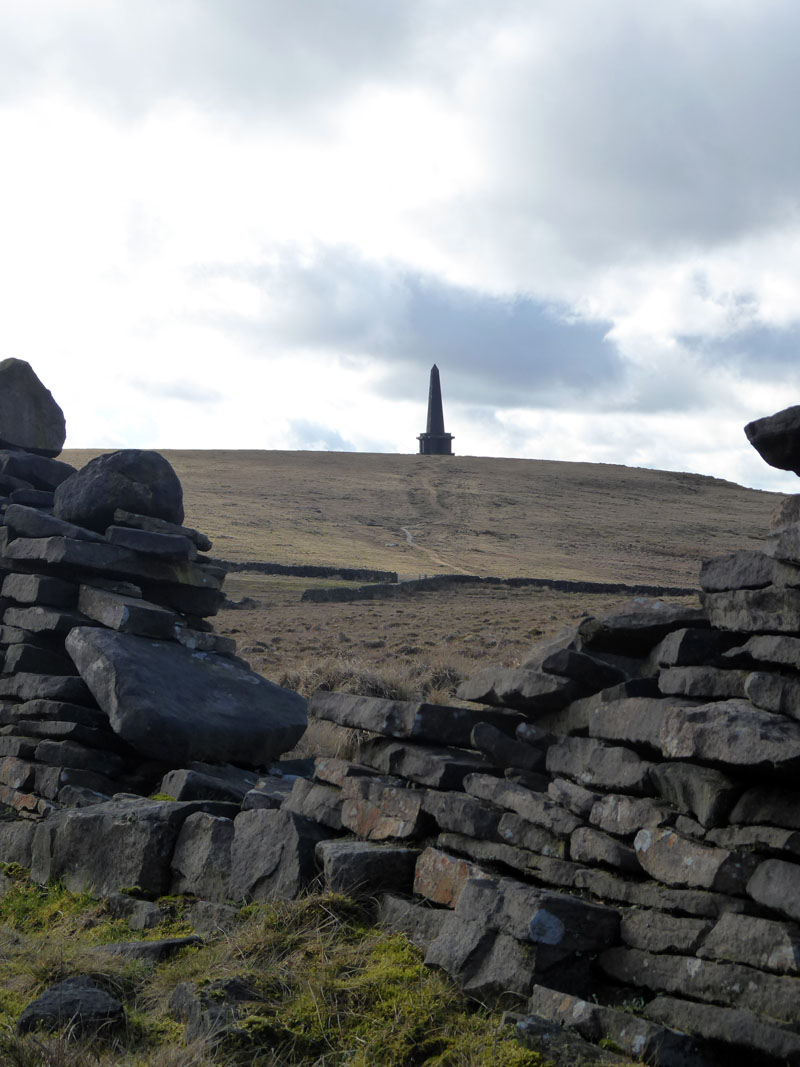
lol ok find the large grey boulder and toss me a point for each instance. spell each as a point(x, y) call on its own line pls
point(132, 479)
point(776, 438)
point(29, 416)
point(176, 705)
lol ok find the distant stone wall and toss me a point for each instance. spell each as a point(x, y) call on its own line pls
point(387, 590)
point(348, 574)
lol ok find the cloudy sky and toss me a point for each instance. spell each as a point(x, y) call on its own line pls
point(257, 223)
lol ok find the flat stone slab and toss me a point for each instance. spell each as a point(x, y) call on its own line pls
point(153, 525)
point(403, 719)
point(440, 768)
point(703, 792)
point(440, 877)
point(176, 706)
point(365, 867)
point(597, 764)
point(24, 521)
point(536, 808)
point(657, 931)
point(130, 615)
point(768, 806)
point(730, 984)
point(733, 1027)
point(686, 864)
point(770, 610)
point(762, 943)
point(523, 690)
point(69, 552)
point(702, 683)
point(748, 569)
point(731, 732)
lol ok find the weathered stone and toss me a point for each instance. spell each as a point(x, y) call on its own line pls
point(185, 784)
point(536, 781)
point(40, 589)
point(528, 691)
point(107, 847)
point(334, 771)
point(644, 1041)
point(776, 438)
point(762, 943)
point(163, 545)
point(565, 640)
point(660, 932)
point(42, 472)
point(503, 750)
point(55, 730)
point(174, 579)
point(770, 805)
point(440, 768)
point(357, 867)
point(75, 1005)
point(580, 667)
point(154, 951)
point(784, 546)
point(139, 481)
point(785, 513)
point(689, 646)
point(776, 884)
point(515, 830)
point(560, 924)
point(573, 797)
point(773, 609)
point(549, 869)
point(34, 498)
point(29, 416)
point(33, 659)
point(731, 732)
point(728, 1026)
point(487, 965)
point(639, 630)
point(774, 692)
point(575, 718)
point(680, 862)
point(272, 855)
point(198, 641)
point(593, 847)
point(704, 792)
point(74, 754)
point(608, 886)
point(462, 814)
point(595, 763)
point(43, 620)
point(193, 602)
point(401, 719)
point(561, 1045)
point(146, 686)
point(768, 648)
point(619, 814)
point(535, 807)
point(16, 841)
point(721, 983)
point(702, 683)
point(201, 861)
point(18, 747)
point(420, 924)
point(377, 812)
point(440, 877)
point(765, 840)
point(269, 792)
point(635, 720)
point(153, 525)
point(25, 521)
point(748, 569)
point(54, 709)
point(130, 615)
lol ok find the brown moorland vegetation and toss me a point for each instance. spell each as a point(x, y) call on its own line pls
point(433, 515)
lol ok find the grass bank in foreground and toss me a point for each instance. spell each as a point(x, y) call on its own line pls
point(328, 989)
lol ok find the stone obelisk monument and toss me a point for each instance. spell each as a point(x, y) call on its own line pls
point(435, 442)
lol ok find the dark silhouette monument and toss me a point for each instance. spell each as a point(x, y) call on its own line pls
point(435, 442)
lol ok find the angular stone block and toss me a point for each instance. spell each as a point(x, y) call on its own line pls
point(774, 609)
point(201, 862)
point(681, 862)
point(149, 543)
point(440, 877)
point(536, 808)
point(657, 931)
point(761, 943)
point(272, 856)
point(523, 690)
point(776, 885)
point(593, 847)
point(702, 682)
point(357, 867)
point(623, 815)
point(130, 615)
point(731, 732)
point(730, 1027)
point(596, 764)
point(706, 793)
point(462, 814)
point(440, 768)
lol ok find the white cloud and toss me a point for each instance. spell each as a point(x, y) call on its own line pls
point(258, 223)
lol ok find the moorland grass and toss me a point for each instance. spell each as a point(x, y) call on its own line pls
point(328, 989)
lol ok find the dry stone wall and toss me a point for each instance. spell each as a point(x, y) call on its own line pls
point(614, 825)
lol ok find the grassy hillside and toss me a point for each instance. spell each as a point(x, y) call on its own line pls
point(438, 514)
